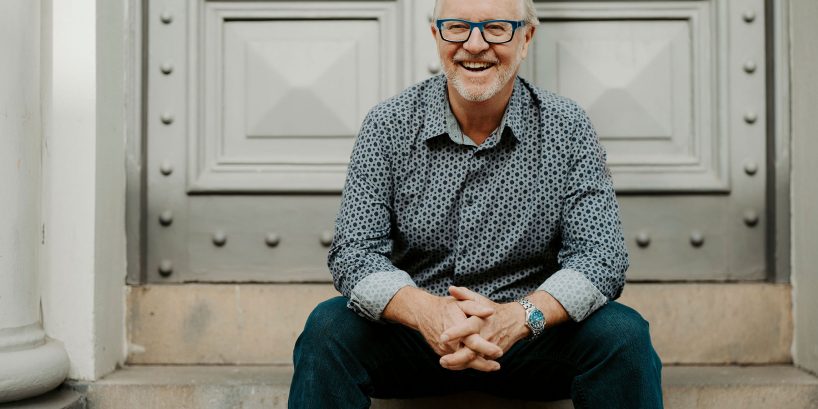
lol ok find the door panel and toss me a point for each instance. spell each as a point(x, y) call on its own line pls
point(286, 86)
point(648, 92)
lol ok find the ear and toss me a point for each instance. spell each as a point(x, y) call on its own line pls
point(434, 30)
point(529, 35)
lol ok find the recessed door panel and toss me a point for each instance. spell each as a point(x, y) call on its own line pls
point(646, 81)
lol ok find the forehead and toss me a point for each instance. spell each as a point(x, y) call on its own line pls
point(478, 10)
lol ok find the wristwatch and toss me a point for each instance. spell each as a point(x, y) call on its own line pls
point(534, 318)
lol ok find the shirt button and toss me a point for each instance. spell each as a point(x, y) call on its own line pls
point(469, 200)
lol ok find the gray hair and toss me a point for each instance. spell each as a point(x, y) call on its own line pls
point(529, 12)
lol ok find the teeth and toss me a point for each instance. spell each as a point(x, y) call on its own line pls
point(475, 65)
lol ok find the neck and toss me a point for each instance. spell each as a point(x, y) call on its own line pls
point(479, 119)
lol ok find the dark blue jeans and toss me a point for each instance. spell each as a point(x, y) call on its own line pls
point(606, 361)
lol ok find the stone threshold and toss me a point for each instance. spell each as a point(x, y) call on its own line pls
point(252, 387)
point(712, 323)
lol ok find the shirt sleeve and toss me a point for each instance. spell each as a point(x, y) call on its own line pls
point(359, 258)
point(593, 257)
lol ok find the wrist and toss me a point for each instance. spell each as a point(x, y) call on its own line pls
point(521, 329)
point(517, 318)
point(551, 308)
point(407, 306)
point(534, 317)
point(410, 306)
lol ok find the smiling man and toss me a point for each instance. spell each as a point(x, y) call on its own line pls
point(478, 246)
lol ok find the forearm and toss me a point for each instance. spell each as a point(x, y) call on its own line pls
point(593, 258)
point(403, 308)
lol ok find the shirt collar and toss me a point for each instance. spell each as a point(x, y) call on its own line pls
point(437, 119)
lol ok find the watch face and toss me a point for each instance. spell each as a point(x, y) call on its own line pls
point(536, 320)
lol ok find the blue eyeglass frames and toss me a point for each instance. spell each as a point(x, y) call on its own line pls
point(455, 30)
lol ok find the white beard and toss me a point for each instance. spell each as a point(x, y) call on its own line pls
point(474, 92)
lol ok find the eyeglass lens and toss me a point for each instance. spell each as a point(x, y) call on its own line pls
point(493, 32)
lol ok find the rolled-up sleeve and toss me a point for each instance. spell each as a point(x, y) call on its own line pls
point(593, 257)
point(359, 258)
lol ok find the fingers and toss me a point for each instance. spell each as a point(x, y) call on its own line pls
point(442, 349)
point(483, 347)
point(463, 293)
point(466, 358)
point(447, 347)
point(485, 365)
point(470, 307)
point(457, 360)
point(471, 325)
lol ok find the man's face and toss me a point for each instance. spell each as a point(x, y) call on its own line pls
point(476, 69)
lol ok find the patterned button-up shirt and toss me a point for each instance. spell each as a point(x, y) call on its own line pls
point(531, 208)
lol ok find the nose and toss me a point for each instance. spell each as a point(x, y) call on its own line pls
point(476, 44)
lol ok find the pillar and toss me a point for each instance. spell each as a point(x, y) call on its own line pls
point(30, 363)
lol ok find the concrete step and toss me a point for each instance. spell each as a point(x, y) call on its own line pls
point(61, 398)
point(719, 323)
point(251, 387)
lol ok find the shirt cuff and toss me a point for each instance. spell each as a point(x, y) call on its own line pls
point(371, 295)
point(577, 294)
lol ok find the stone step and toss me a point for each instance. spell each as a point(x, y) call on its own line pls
point(716, 323)
point(60, 398)
point(251, 387)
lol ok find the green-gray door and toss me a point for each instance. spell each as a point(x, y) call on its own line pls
point(252, 109)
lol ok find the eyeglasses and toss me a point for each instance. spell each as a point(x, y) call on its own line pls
point(455, 30)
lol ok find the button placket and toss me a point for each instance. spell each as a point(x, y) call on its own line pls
point(459, 242)
point(470, 183)
point(466, 215)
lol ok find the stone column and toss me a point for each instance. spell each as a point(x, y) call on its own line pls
point(30, 363)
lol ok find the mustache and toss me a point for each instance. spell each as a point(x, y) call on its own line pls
point(482, 57)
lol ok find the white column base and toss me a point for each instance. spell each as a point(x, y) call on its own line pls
point(34, 366)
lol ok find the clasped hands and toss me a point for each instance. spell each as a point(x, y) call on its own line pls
point(470, 331)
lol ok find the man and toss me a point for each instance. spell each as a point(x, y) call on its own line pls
point(478, 245)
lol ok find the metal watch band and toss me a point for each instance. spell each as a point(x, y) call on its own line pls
point(534, 318)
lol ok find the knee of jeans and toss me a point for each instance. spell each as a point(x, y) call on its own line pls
point(330, 320)
point(623, 327)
